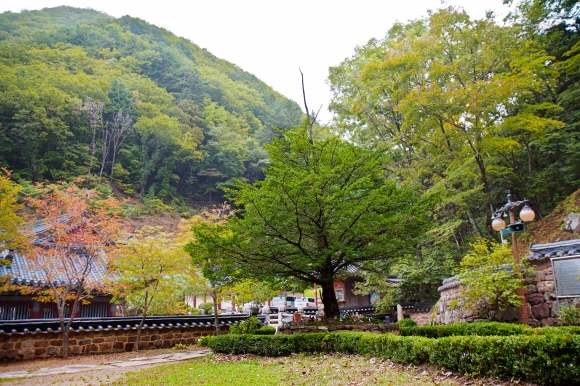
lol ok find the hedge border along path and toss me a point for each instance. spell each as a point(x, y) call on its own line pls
point(548, 359)
point(484, 329)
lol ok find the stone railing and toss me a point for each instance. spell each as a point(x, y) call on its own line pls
point(31, 339)
point(290, 328)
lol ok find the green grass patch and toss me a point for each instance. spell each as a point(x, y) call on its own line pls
point(329, 369)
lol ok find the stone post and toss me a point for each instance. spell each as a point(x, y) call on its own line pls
point(266, 311)
point(399, 312)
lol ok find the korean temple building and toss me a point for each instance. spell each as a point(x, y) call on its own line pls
point(21, 271)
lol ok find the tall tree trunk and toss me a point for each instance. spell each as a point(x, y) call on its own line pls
point(329, 300)
point(65, 334)
point(34, 171)
point(113, 164)
point(92, 152)
point(140, 328)
point(486, 190)
point(215, 310)
point(473, 223)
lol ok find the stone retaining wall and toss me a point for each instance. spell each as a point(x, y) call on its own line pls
point(289, 329)
point(28, 346)
point(421, 318)
point(540, 298)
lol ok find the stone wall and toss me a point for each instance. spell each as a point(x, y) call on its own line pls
point(290, 329)
point(421, 318)
point(540, 298)
point(44, 345)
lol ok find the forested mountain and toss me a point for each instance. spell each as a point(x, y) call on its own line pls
point(467, 109)
point(83, 93)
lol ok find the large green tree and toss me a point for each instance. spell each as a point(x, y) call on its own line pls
point(322, 208)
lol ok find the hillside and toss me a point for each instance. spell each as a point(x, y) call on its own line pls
point(551, 228)
point(165, 119)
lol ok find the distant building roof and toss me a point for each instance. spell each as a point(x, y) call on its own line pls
point(546, 251)
point(23, 271)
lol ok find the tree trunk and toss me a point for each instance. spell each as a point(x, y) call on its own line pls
point(215, 311)
point(474, 223)
point(63, 328)
point(486, 190)
point(113, 164)
point(71, 317)
point(329, 300)
point(92, 152)
point(139, 329)
point(34, 171)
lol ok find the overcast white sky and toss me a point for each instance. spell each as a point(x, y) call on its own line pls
point(271, 39)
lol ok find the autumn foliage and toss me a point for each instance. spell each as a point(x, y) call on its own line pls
point(72, 249)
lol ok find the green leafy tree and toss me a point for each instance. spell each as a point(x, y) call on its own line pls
point(323, 207)
point(490, 279)
point(10, 220)
point(148, 260)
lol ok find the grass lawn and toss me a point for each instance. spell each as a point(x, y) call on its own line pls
point(330, 369)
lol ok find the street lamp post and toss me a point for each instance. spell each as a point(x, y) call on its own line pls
point(498, 223)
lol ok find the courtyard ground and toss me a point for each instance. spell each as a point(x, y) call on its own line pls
point(193, 366)
point(101, 369)
point(328, 369)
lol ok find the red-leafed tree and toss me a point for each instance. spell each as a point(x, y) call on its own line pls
point(71, 255)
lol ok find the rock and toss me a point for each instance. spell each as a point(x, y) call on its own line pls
point(507, 315)
point(541, 311)
point(533, 322)
point(530, 289)
point(555, 309)
point(543, 273)
point(546, 286)
point(572, 222)
point(535, 298)
point(550, 322)
point(550, 296)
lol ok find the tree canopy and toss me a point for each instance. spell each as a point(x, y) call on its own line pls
point(193, 122)
point(322, 208)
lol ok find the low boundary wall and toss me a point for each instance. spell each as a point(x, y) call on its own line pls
point(30, 339)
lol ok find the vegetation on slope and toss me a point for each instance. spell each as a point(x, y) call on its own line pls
point(195, 122)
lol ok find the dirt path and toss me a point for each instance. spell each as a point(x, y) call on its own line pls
point(89, 370)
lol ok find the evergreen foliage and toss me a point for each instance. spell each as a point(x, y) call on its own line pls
point(197, 122)
point(323, 208)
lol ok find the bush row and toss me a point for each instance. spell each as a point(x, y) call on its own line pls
point(552, 359)
point(483, 329)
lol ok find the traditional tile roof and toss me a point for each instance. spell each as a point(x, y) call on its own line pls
point(450, 282)
point(23, 271)
point(52, 326)
point(546, 251)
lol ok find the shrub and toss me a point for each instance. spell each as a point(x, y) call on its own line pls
point(248, 326)
point(569, 315)
point(204, 340)
point(489, 279)
point(207, 307)
point(484, 329)
point(550, 358)
point(266, 330)
point(407, 322)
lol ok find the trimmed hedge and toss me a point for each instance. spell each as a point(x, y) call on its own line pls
point(483, 329)
point(266, 330)
point(552, 359)
point(407, 322)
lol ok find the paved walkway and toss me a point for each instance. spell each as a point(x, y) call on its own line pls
point(133, 362)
